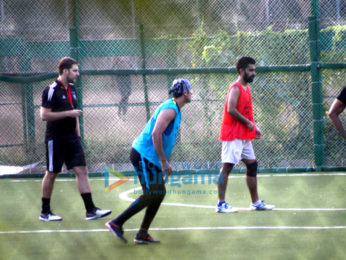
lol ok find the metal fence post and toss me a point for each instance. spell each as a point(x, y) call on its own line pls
point(171, 61)
point(146, 98)
point(74, 52)
point(28, 111)
point(317, 98)
point(24, 112)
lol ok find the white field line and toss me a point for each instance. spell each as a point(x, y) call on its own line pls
point(125, 196)
point(45, 231)
point(206, 176)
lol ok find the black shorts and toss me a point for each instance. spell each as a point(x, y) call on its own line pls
point(64, 150)
point(150, 176)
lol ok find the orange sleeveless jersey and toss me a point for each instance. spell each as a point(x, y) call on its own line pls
point(233, 129)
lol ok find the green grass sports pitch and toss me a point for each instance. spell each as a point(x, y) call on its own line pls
point(309, 221)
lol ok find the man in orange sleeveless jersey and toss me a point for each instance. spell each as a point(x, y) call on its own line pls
point(237, 130)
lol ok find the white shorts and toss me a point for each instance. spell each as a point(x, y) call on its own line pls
point(236, 150)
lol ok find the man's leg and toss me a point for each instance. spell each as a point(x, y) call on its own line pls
point(141, 169)
point(151, 211)
point(83, 185)
point(75, 160)
point(82, 179)
point(156, 194)
point(136, 206)
point(147, 199)
point(222, 206)
point(54, 161)
point(115, 225)
point(48, 184)
point(46, 190)
point(143, 236)
point(230, 155)
point(251, 179)
point(223, 180)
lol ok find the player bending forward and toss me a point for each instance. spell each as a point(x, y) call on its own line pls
point(149, 155)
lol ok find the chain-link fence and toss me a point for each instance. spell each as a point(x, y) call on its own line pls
point(129, 53)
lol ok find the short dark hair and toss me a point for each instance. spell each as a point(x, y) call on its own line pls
point(243, 62)
point(66, 63)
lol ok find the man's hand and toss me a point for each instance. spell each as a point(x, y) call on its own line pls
point(48, 115)
point(250, 125)
point(75, 113)
point(258, 133)
point(163, 120)
point(166, 167)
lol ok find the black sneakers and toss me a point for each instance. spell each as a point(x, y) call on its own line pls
point(144, 238)
point(116, 230)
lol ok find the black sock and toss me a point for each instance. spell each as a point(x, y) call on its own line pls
point(88, 202)
point(45, 205)
point(142, 233)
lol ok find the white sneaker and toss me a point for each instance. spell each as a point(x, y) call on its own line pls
point(225, 208)
point(261, 206)
point(49, 217)
point(97, 213)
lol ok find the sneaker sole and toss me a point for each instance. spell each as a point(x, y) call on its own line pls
point(96, 217)
point(140, 242)
point(261, 209)
point(47, 220)
point(121, 237)
point(144, 242)
point(223, 212)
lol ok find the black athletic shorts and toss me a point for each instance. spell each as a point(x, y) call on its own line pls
point(66, 150)
point(150, 176)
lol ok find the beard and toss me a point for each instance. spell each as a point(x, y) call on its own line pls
point(187, 99)
point(248, 79)
point(70, 79)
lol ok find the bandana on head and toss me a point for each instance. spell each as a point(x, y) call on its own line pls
point(179, 86)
